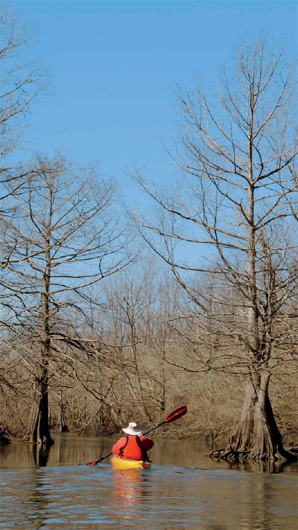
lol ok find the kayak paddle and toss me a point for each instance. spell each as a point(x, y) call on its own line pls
point(175, 415)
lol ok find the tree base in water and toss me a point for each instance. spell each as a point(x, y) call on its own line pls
point(244, 456)
point(257, 436)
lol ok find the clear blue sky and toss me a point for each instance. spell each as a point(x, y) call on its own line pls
point(114, 67)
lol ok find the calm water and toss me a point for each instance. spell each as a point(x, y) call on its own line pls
point(183, 489)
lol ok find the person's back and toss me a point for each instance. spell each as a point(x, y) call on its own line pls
point(133, 446)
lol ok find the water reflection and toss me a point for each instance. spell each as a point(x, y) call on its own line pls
point(258, 466)
point(165, 497)
point(256, 511)
point(74, 449)
point(40, 455)
point(129, 489)
point(67, 450)
point(35, 504)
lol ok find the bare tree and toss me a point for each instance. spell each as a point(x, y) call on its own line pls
point(21, 80)
point(65, 236)
point(228, 220)
point(130, 310)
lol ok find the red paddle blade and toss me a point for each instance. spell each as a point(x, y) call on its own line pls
point(176, 414)
point(91, 464)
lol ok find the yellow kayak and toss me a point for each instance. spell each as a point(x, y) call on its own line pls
point(125, 463)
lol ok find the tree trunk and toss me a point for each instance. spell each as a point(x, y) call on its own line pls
point(257, 436)
point(39, 431)
point(3, 439)
point(62, 420)
point(242, 439)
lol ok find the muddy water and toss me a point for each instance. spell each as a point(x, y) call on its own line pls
point(183, 489)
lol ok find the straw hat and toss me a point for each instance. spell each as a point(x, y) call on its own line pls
point(131, 429)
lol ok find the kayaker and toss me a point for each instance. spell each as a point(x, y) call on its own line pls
point(133, 446)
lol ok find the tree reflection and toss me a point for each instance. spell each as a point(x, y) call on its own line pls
point(40, 455)
point(257, 466)
point(257, 502)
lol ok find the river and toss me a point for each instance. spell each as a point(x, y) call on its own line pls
point(183, 489)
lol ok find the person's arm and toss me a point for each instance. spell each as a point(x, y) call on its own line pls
point(146, 443)
point(118, 445)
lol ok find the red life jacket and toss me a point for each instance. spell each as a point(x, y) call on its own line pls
point(133, 449)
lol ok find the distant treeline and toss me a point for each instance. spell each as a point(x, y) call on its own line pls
point(139, 352)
